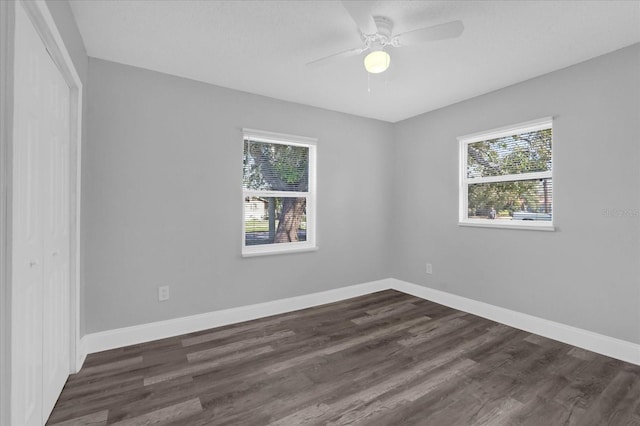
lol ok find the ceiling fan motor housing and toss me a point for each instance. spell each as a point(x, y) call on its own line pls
point(384, 25)
point(383, 36)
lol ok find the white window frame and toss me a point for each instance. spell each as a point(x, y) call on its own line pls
point(464, 181)
point(310, 195)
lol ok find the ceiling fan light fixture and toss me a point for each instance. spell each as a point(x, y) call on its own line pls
point(377, 61)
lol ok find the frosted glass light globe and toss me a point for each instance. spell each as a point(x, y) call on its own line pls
point(377, 61)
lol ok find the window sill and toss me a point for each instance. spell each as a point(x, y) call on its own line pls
point(264, 251)
point(529, 226)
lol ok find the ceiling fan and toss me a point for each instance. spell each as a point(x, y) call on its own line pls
point(377, 36)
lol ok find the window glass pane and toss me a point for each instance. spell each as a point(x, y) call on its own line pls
point(520, 153)
point(269, 220)
point(275, 167)
point(517, 200)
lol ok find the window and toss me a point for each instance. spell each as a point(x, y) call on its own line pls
point(278, 189)
point(506, 177)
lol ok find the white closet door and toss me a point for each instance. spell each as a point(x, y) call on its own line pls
point(39, 317)
point(26, 324)
point(55, 172)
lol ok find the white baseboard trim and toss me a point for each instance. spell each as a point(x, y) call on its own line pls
point(605, 345)
point(81, 354)
point(111, 339)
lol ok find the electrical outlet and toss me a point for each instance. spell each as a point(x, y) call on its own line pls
point(429, 268)
point(163, 293)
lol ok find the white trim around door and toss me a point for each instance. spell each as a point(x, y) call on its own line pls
point(7, 10)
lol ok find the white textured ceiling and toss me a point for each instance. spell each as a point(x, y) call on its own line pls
point(262, 46)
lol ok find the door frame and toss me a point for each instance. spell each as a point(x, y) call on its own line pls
point(7, 21)
point(44, 24)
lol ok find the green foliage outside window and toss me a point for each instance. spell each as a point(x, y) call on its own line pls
point(512, 155)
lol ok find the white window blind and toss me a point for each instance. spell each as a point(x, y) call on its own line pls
point(278, 188)
point(506, 176)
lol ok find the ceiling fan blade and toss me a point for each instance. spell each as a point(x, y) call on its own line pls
point(343, 54)
point(360, 12)
point(437, 32)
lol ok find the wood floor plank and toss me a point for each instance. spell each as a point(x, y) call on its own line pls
point(379, 314)
point(93, 419)
point(221, 334)
point(84, 404)
point(373, 405)
point(112, 366)
point(312, 413)
point(354, 341)
point(581, 354)
point(587, 382)
point(152, 398)
point(496, 412)
point(95, 388)
point(164, 415)
point(386, 358)
point(237, 346)
point(372, 301)
point(389, 307)
point(437, 329)
point(339, 374)
point(613, 403)
point(207, 365)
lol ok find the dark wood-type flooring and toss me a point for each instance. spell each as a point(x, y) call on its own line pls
point(382, 359)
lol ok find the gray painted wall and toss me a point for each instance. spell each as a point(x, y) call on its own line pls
point(164, 200)
point(586, 274)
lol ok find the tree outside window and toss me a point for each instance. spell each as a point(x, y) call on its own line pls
point(278, 175)
point(507, 175)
